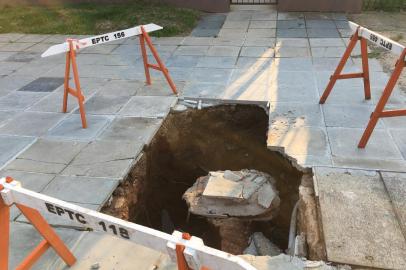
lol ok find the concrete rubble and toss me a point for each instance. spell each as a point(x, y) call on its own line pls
point(261, 246)
point(246, 194)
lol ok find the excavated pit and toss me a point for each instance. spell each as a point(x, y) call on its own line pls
point(190, 144)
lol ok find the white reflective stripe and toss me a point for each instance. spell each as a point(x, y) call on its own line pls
point(197, 254)
point(378, 39)
point(100, 39)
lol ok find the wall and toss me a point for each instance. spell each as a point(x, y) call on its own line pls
point(351, 6)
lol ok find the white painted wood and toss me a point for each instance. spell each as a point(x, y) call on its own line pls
point(378, 39)
point(196, 253)
point(100, 39)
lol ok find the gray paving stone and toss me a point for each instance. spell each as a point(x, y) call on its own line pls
point(318, 16)
point(292, 52)
point(184, 61)
point(131, 129)
point(191, 50)
point(289, 24)
point(168, 40)
point(5, 55)
point(292, 114)
point(246, 92)
point(349, 116)
point(105, 104)
point(6, 116)
point(217, 62)
point(33, 38)
point(400, 140)
point(197, 41)
point(330, 64)
point(293, 94)
point(211, 75)
point(224, 41)
point(355, 210)
point(293, 78)
point(223, 51)
point(202, 89)
point(369, 164)
point(395, 185)
point(10, 146)
point(344, 141)
point(322, 33)
point(26, 238)
point(160, 88)
point(326, 24)
point(326, 42)
point(71, 127)
point(290, 16)
point(15, 47)
point(249, 77)
point(258, 16)
point(298, 141)
point(261, 33)
point(121, 88)
point(52, 151)
point(31, 123)
point(202, 32)
point(76, 189)
point(328, 51)
point(291, 33)
point(32, 181)
point(150, 107)
point(43, 84)
point(262, 24)
point(292, 64)
point(24, 57)
point(253, 62)
point(267, 42)
point(343, 24)
point(104, 159)
point(345, 33)
point(236, 24)
point(10, 37)
point(10, 68)
point(292, 42)
point(257, 52)
point(19, 100)
point(323, 78)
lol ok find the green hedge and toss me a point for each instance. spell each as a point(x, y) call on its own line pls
point(385, 5)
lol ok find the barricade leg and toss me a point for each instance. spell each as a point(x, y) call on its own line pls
point(379, 109)
point(71, 60)
point(66, 83)
point(340, 67)
point(145, 59)
point(365, 68)
point(4, 234)
point(161, 66)
point(51, 239)
point(180, 257)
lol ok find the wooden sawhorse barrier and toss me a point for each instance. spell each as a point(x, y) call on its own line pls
point(187, 251)
point(71, 46)
point(363, 35)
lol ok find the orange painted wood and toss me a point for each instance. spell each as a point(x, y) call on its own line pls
point(365, 68)
point(144, 38)
point(71, 62)
point(33, 257)
point(340, 67)
point(379, 109)
point(349, 76)
point(4, 233)
point(47, 233)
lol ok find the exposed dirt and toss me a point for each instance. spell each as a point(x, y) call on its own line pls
point(188, 145)
point(389, 24)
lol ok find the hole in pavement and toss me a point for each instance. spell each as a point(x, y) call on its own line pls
point(189, 145)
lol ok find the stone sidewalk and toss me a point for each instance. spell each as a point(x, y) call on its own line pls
point(259, 56)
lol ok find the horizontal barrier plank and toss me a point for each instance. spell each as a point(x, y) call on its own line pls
point(378, 39)
point(100, 39)
point(196, 253)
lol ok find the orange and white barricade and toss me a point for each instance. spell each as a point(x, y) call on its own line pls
point(72, 46)
point(188, 251)
point(364, 35)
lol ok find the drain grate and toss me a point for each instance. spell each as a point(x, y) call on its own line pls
point(43, 84)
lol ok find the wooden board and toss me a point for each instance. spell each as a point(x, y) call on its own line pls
point(359, 224)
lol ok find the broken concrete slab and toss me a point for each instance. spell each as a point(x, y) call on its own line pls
point(242, 194)
point(359, 224)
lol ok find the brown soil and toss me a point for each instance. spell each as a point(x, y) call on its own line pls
point(188, 145)
point(392, 25)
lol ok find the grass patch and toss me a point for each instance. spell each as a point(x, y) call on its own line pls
point(385, 5)
point(96, 18)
